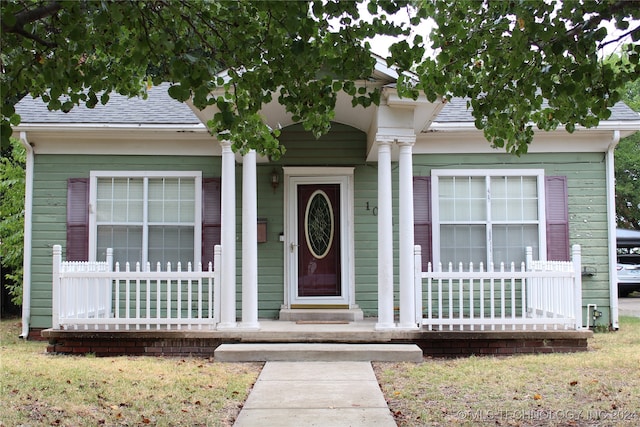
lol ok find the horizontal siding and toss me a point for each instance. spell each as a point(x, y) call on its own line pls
point(50, 207)
point(270, 253)
point(366, 238)
point(586, 182)
point(344, 146)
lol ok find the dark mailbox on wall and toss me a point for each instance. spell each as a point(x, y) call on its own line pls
point(262, 230)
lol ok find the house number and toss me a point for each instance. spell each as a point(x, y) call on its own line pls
point(374, 210)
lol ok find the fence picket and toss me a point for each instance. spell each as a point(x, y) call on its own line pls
point(93, 294)
point(538, 294)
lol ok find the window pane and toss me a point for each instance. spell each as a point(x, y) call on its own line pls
point(104, 200)
point(514, 199)
point(172, 200)
point(119, 200)
point(510, 242)
point(125, 241)
point(171, 244)
point(530, 209)
point(463, 243)
point(462, 199)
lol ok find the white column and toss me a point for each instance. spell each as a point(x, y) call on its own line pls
point(249, 243)
point(385, 238)
point(228, 239)
point(407, 282)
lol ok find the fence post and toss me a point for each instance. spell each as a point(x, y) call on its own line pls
point(217, 254)
point(576, 258)
point(109, 259)
point(417, 279)
point(55, 283)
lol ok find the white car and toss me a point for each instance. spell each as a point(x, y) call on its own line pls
point(628, 279)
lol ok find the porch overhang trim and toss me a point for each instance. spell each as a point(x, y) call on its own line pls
point(121, 139)
point(71, 127)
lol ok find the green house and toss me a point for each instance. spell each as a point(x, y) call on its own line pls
point(331, 228)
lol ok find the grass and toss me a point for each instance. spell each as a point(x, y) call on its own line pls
point(39, 389)
point(598, 387)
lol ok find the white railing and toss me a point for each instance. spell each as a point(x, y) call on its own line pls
point(538, 294)
point(93, 295)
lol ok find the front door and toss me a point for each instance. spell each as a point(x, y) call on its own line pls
point(316, 242)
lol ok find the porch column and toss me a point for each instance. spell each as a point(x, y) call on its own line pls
point(407, 283)
point(385, 237)
point(249, 243)
point(228, 239)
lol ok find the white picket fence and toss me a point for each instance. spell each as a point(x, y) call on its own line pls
point(535, 295)
point(93, 295)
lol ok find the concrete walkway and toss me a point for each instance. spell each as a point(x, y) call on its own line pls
point(316, 394)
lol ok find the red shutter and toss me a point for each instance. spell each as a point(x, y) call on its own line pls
point(210, 217)
point(557, 213)
point(422, 217)
point(77, 219)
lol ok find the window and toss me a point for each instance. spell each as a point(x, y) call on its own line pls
point(146, 217)
point(487, 216)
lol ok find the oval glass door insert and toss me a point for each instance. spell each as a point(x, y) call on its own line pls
point(318, 224)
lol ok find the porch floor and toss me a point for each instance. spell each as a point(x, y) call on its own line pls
point(202, 342)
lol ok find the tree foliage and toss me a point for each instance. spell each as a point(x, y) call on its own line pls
point(12, 185)
point(73, 52)
point(521, 64)
point(627, 167)
point(526, 64)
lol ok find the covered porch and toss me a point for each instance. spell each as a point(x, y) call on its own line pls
point(101, 309)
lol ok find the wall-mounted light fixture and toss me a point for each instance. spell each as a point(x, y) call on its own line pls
point(275, 179)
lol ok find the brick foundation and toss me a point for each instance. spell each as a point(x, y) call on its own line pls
point(203, 344)
point(198, 347)
point(499, 347)
point(35, 334)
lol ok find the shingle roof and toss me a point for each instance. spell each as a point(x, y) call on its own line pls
point(158, 108)
point(455, 111)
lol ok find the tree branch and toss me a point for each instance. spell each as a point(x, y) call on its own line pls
point(628, 33)
point(32, 15)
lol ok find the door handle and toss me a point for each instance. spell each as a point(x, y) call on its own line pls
point(293, 246)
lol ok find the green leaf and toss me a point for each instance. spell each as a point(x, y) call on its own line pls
point(179, 92)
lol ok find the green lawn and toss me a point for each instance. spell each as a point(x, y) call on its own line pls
point(40, 389)
point(600, 387)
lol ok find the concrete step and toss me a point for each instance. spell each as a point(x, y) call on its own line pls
point(321, 314)
point(326, 352)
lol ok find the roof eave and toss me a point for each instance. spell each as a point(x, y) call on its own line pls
point(71, 127)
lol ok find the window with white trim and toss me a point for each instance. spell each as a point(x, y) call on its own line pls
point(487, 216)
point(146, 217)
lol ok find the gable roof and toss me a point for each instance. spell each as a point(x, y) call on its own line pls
point(158, 108)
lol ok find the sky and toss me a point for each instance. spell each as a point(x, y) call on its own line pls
point(380, 44)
